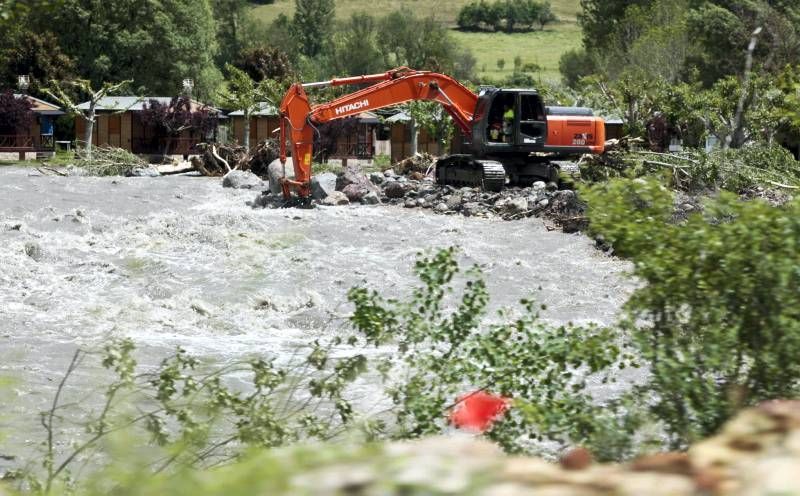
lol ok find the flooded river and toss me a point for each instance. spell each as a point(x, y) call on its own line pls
point(181, 261)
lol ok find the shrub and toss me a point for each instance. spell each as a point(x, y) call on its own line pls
point(443, 353)
point(716, 317)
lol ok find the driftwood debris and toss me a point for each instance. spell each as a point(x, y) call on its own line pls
point(218, 160)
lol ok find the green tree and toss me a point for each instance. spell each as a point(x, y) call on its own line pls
point(600, 20)
point(156, 44)
point(545, 15)
point(230, 17)
point(716, 317)
point(421, 43)
point(355, 47)
point(313, 25)
point(574, 65)
point(470, 16)
point(242, 93)
point(37, 55)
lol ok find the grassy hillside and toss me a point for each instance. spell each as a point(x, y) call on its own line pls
point(543, 48)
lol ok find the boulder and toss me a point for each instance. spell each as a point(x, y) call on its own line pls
point(377, 178)
point(454, 202)
point(471, 208)
point(371, 198)
point(242, 180)
point(394, 189)
point(389, 173)
point(354, 183)
point(441, 208)
point(516, 205)
point(410, 203)
point(322, 185)
point(355, 192)
point(275, 173)
point(33, 250)
point(336, 198)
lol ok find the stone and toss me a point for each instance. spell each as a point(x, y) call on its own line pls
point(471, 208)
point(394, 189)
point(371, 198)
point(351, 174)
point(33, 250)
point(237, 179)
point(148, 171)
point(516, 205)
point(389, 173)
point(377, 178)
point(355, 192)
point(322, 185)
point(354, 183)
point(410, 203)
point(275, 173)
point(441, 208)
point(336, 198)
point(454, 202)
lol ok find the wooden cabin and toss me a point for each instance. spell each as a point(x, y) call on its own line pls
point(118, 123)
point(38, 139)
point(264, 124)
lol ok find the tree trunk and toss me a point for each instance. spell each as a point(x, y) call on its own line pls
point(246, 139)
point(737, 137)
point(87, 135)
point(167, 144)
point(414, 133)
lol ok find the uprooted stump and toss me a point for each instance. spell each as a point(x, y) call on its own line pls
point(218, 160)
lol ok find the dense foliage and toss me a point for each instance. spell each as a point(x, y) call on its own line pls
point(179, 115)
point(716, 319)
point(506, 15)
point(15, 113)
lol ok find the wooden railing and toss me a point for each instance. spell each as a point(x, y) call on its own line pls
point(25, 142)
point(15, 142)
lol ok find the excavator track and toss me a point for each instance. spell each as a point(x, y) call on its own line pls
point(465, 170)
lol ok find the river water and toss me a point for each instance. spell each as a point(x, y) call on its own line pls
point(181, 261)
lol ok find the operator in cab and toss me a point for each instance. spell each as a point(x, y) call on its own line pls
point(508, 123)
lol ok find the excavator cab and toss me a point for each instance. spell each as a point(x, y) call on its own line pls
point(509, 122)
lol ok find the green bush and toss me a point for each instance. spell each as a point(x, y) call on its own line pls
point(443, 353)
point(716, 318)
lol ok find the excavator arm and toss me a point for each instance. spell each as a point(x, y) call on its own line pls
point(299, 117)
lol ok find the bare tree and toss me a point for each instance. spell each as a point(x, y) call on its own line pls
point(84, 86)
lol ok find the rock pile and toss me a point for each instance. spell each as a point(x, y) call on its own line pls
point(414, 190)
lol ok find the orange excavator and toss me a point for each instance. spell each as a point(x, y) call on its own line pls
point(510, 134)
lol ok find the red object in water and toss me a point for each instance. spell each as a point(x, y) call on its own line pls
point(477, 411)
